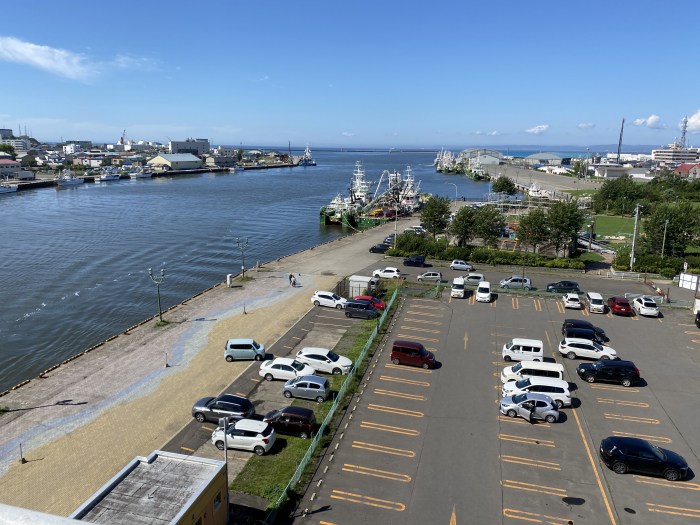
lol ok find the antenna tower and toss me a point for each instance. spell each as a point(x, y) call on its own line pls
point(619, 144)
point(684, 128)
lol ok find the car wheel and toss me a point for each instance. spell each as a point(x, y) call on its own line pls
point(200, 417)
point(338, 306)
point(505, 286)
point(316, 303)
point(507, 359)
point(559, 403)
point(589, 378)
point(426, 366)
point(287, 394)
point(527, 288)
point(395, 361)
point(605, 357)
point(672, 474)
point(420, 280)
point(304, 435)
point(550, 418)
point(259, 450)
point(337, 371)
point(571, 355)
point(219, 445)
point(258, 357)
point(619, 467)
point(269, 377)
point(511, 413)
point(626, 382)
point(347, 314)
point(229, 358)
point(320, 399)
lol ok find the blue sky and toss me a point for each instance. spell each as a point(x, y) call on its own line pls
point(359, 73)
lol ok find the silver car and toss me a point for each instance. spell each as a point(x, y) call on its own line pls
point(308, 387)
point(530, 406)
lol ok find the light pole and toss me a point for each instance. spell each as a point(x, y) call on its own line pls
point(158, 280)
point(634, 234)
point(590, 235)
point(242, 245)
point(453, 184)
point(663, 244)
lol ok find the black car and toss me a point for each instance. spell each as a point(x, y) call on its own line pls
point(626, 454)
point(580, 323)
point(609, 371)
point(226, 405)
point(389, 239)
point(697, 319)
point(380, 248)
point(360, 308)
point(563, 287)
point(293, 420)
point(583, 333)
point(414, 260)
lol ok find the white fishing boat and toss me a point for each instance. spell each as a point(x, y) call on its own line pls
point(140, 173)
point(306, 159)
point(7, 188)
point(108, 174)
point(68, 178)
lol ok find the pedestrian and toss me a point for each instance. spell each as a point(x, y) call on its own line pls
point(291, 279)
point(294, 281)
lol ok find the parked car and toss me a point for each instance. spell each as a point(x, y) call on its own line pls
point(583, 333)
point(483, 292)
point(557, 389)
point(459, 264)
point(619, 306)
point(414, 229)
point(414, 260)
point(411, 353)
point(645, 306)
point(293, 421)
point(360, 308)
point(628, 454)
point(284, 368)
point(516, 281)
point(243, 349)
point(580, 323)
point(308, 387)
point(388, 273)
point(530, 406)
point(374, 301)
point(382, 247)
point(572, 300)
point(320, 298)
point(473, 278)
point(697, 319)
point(324, 360)
point(610, 371)
point(430, 276)
point(563, 286)
point(389, 239)
point(246, 434)
point(596, 304)
point(226, 405)
point(574, 347)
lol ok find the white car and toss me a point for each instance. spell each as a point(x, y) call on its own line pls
point(328, 299)
point(474, 278)
point(572, 300)
point(246, 434)
point(557, 389)
point(645, 306)
point(388, 273)
point(459, 264)
point(284, 368)
point(430, 276)
point(324, 360)
point(573, 347)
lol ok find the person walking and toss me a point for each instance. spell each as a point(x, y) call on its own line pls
point(294, 281)
point(291, 279)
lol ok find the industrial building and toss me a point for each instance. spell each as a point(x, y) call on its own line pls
point(175, 161)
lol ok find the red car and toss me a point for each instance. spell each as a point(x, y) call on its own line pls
point(377, 303)
point(620, 306)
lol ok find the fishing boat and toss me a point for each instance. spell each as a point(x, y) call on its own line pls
point(68, 178)
point(306, 159)
point(7, 188)
point(108, 174)
point(140, 173)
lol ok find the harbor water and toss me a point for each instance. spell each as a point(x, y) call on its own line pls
point(75, 261)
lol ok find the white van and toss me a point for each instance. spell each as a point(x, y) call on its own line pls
point(595, 303)
point(523, 350)
point(483, 292)
point(525, 369)
point(457, 287)
point(557, 389)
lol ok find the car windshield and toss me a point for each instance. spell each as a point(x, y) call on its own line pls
point(597, 346)
point(523, 383)
point(333, 356)
point(658, 452)
point(296, 365)
point(516, 368)
point(336, 297)
point(295, 380)
point(519, 398)
point(423, 352)
point(273, 414)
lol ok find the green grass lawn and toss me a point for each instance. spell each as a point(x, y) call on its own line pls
point(614, 225)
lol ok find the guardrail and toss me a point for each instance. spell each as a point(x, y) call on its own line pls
point(623, 275)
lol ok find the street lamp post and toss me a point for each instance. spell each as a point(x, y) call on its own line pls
point(663, 244)
point(590, 235)
point(453, 184)
point(242, 245)
point(634, 234)
point(158, 280)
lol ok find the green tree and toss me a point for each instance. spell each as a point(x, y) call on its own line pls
point(436, 215)
point(682, 228)
point(533, 229)
point(618, 195)
point(564, 221)
point(504, 184)
point(8, 148)
point(488, 224)
point(462, 227)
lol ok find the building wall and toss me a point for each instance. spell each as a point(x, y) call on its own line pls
point(211, 507)
point(196, 146)
point(18, 144)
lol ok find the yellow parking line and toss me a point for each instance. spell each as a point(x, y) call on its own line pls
point(615, 388)
point(208, 428)
point(466, 340)
point(394, 410)
point(519, 421)
point(527, 440)
point(533, 517)
point(387, 428)
point(514, 302)
point(419, 300)
point(424, 314)
point(422, 321)
point(384, 450)
point(187, 449)
point(326, 523)
point(426, 307)
point(622, 403)
point(677, 511)
point(632, 419)
point(472, 299)
point(391, 393)
point(493, 303)
point(417, 329)
point(330, 324)
point(409, 368)
point(585, 312)
point(560, 307)
point(531, 487)
point(658, 439)
point(692, 332)
point(384, 474)
point(414, 337)
point(668, 484)
point(538, 305)
point(368, 500)
point(407, 381)
point(531, 462)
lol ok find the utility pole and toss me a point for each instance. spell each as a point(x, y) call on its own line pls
point(634, 235)
point(663, 244)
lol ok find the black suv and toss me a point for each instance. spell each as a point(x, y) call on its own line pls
point(295, 421)
point(563, 287)
point(580, 323)
point(226, 405)
point(380, 248)
point(414, 260)
point(360, 308)
point(609, 371)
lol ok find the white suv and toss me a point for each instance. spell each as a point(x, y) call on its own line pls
point(557, 389)
point(389, 273)
point(246, 434)
point(328, 299)
point(459, 264)
point(324, 360)
point(645, 306)
point(573, 347)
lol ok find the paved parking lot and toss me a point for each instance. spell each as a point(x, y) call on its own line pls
point(430, 446)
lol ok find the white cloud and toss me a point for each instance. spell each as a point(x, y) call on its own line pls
point(694, 122)
point(538, 130)
point(137, 63)
point(488, 133)
point(57, 61)
point(264, 78)
point(347, 134)
point(585, 125)
point(652, 122)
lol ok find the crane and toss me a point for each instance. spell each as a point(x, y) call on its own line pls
point(619, 144)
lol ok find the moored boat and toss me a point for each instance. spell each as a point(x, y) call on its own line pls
point(140, 173)
point(8, 188)
point(68, 178)
point(306, 159)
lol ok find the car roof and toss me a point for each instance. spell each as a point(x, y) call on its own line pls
point(299, 411)
point(408, 344)
point(323, 291)
point(580, 322)
point(568, 340)
point(391, 268)
point(572, 295)
point(539, 397)
point(594, 295)
point(485, 283)
point(232, 398)
point(250, 424)
point(282, 361)
point(314, 379)
point(313, 350)
point(240, 341)
point(618, 299)
point(549, 381)
point(529, 342)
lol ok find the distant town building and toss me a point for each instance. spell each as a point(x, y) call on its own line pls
point(220, 161)
point(688, 170)
point(72, 149)
point(193, 146)
point(12, 169)
point(5, 133)
point(548, 159)
point(609, 171)
point(85, 144)
point(674, 154)
point(177, 161)
point(19, 144)
point(225, 151)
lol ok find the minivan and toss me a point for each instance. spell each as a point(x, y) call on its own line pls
point(457, 287)
point(243, 349)
point(483, 292)
point(308, 387)
point(595, 302)
point(583, 333)
point(411, 353)
point(360, 308)
point(523, 350)
point(525, 369)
